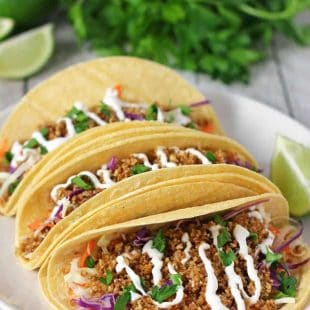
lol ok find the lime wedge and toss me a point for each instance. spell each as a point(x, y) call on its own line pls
point(290, 171)
point(25, 54)
point(6, 26)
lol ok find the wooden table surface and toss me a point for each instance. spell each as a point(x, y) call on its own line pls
point(281, 82)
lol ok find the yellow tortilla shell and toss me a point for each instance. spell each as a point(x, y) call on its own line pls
point(51, 276)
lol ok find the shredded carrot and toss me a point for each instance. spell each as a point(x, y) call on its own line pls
point(274, 229)
point(118, 88)
point(3, 148)
point(207, 127)
point(89, 249)
point(35, 225)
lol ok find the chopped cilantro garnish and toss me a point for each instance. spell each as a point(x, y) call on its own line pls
point(223, 237)
point(13, 186)
point(176, 279)
point(143, 284)
point(151, 112)
point(159, 241)
point(122, 300)
point(72, 112)
point(227, 258)
point(8, 156)
point(32, 143)
point(78, 181)
point(44, 131)
point(163, 293)
point(81, 116)
point(43, 150)
point(137, 169)
point(108, 279)
point(254, 236)
point(185, 109)
point(81, 126)
point(288, 284)
point(211, 156)
point(218, 220)
point(90, 262)
point(104, 108)
point(272, 257)
point(192, 125)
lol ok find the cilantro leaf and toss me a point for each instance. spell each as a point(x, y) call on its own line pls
point(31, 144)
point(185, 110)
point(137, 169)
point(13, 186)
point(223, 237)
point(272, 257)
point(159, 241)
point(176, 279)
point(164, 292)
point(288, 284)
point(90, 262)
point(7, 158)
point(254, 236)
point(151, 112)
point(227, 258)
point(211, 156)
point(122, 301)
point(192, 125)
point(219, 220)
point(44, 131)
point(104, 108)
point(43, 150)
point(78, 181)
point(108, 279)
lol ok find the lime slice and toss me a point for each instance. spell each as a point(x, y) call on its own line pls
point(25, 54)
point(290, 171)
point(6, 26)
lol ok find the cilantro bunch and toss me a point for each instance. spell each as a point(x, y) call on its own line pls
point(222, 38)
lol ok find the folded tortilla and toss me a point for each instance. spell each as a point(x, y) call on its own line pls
point(92, 94)
point(216, 254)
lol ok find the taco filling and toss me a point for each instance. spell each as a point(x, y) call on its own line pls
point(237, 260)
point(24, 154)
point(64, 198)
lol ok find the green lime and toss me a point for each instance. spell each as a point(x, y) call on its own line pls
point(26, 53)
point(26, 12)
point(6, 26)
point(290, 171)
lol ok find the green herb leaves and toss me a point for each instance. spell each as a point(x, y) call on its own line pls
point(223, 237)
point(90, 262)
point(151, 112)
point(124, 298)
point(80, 119)
point(185, 110)
point(272, 257)
point(108, 279)
point(159, 241)
point(137, 169)
point(288, 285)
point(31, 144)
point(160, 294)
point(104, 108)
point(227, 258)
point(211, 157)
point(78, 181)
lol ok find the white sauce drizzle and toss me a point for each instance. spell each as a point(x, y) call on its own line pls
point(267, 243)
point(257, 215)
point(204, 160)
point(285, 300)
point(121, 264)
point(146, 161)
point(80, 106)
point(241, 234)
point(111, 99)
point(215, 230)
point(163, 158)
point(185, 239)
point(212, 285)
point(156, 260)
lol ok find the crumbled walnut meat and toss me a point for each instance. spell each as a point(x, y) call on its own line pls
point(193, 273)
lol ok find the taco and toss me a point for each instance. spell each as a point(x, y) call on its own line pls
point(93, 94)
point(77, 145)
point(65, 192)
point(238, 254)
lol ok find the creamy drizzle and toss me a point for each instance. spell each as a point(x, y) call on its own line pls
point(241, 234)
point(204, 160)
point(156, 260)
point(212, 285)
point(121, 264)
point(285, 300)
point(257, 215)
point(215, 230)
point(163, 158)
point(146, 161)
point(185, 239)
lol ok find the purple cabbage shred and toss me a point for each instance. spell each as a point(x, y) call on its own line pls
point(142, 237)
point(111, 165)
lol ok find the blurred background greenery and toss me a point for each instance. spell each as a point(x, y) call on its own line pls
point(220, 37)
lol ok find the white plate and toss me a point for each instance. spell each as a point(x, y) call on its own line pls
point(253, 124)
